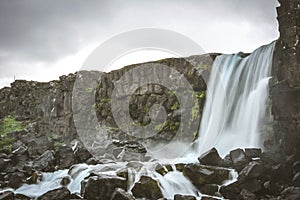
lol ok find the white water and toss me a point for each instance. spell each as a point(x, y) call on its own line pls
point(236, 101)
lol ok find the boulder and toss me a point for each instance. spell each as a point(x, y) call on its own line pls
point(239, 159)
point(123, 172)
point(101, 187)
point(209, 189)
point(21, 197)
point(120, 194)
point(82, 154)
point(296, 180)
point(3, 163)
point(246, 195)
point(56, 194)
point(45, 161)
point(227, 162)
point(161, 169)
point(296, 167)
point(179, 166)
point(8, 195)
point(66, 157)
point(231, 191)
point(252, 185)
point(16, 180)
point(252, 152)
point(291, 193)
point(184, 197)
point(211, 157)
point(253, 170)
point(201, 175)
point(148, 188)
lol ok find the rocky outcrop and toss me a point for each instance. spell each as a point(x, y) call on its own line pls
point(50, 107)
point(285, 87)
point(148, 188)
point(101, 187)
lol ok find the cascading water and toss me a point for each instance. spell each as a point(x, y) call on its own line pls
point(236, 101)
point(235, 105)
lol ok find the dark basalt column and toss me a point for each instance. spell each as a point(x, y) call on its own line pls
point(285, 86)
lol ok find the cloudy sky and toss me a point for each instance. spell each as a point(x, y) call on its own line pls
point(42, 39)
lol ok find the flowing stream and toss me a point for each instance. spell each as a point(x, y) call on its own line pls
point(235, 107)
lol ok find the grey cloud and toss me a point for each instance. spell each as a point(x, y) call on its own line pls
point(45, 31)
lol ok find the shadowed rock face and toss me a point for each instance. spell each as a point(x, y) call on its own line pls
point(285, 84)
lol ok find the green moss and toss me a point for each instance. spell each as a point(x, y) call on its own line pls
point(103, 101)
point(89, 90)
point(202, 66)
point(6, 143)
point(195, 110)
point(9, 124)
point(175, 106)
point(160, 127)
point(168, 125)
point(147, 108)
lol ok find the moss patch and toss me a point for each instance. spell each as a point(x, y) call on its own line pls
point(9, 124)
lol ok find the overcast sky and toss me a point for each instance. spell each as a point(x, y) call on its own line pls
point(42, 39)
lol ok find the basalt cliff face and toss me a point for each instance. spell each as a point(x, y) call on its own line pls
point(48, 109)
point(285, 86)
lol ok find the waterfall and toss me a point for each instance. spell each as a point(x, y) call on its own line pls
point(237, 93)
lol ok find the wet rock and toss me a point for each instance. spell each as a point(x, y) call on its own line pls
point(296, 167)
point(92, 161)
point(57, 194)
point(148, 188)
point(291, 193)
point(129, 154)
point(44, 162)
point(4, 163)
point(21, 197)
point(279, 173)
point(211, 157)
point(137, 165)
point(161, 169)
point(66, 157)
point(82, 154)
point(231, 191)
point(65, 181)
point(296, 180)
point(209, 189)
point(120, 194)
point(239, 159)
point(184, 197)
point(34, 178)
point(38, 146)
point(18, 148)
point(227, 162)
point(246, 195)
point(252, 185)
point(252, 152)
point(179, 167)
point(101, 186)
point(123, 173)
point(209, 198)
point(7, 196)
point(16, 180)
point(201, 175)
point(253, 170)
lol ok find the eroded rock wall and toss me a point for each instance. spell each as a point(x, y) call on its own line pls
point(49, 104)
point(285, 87)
